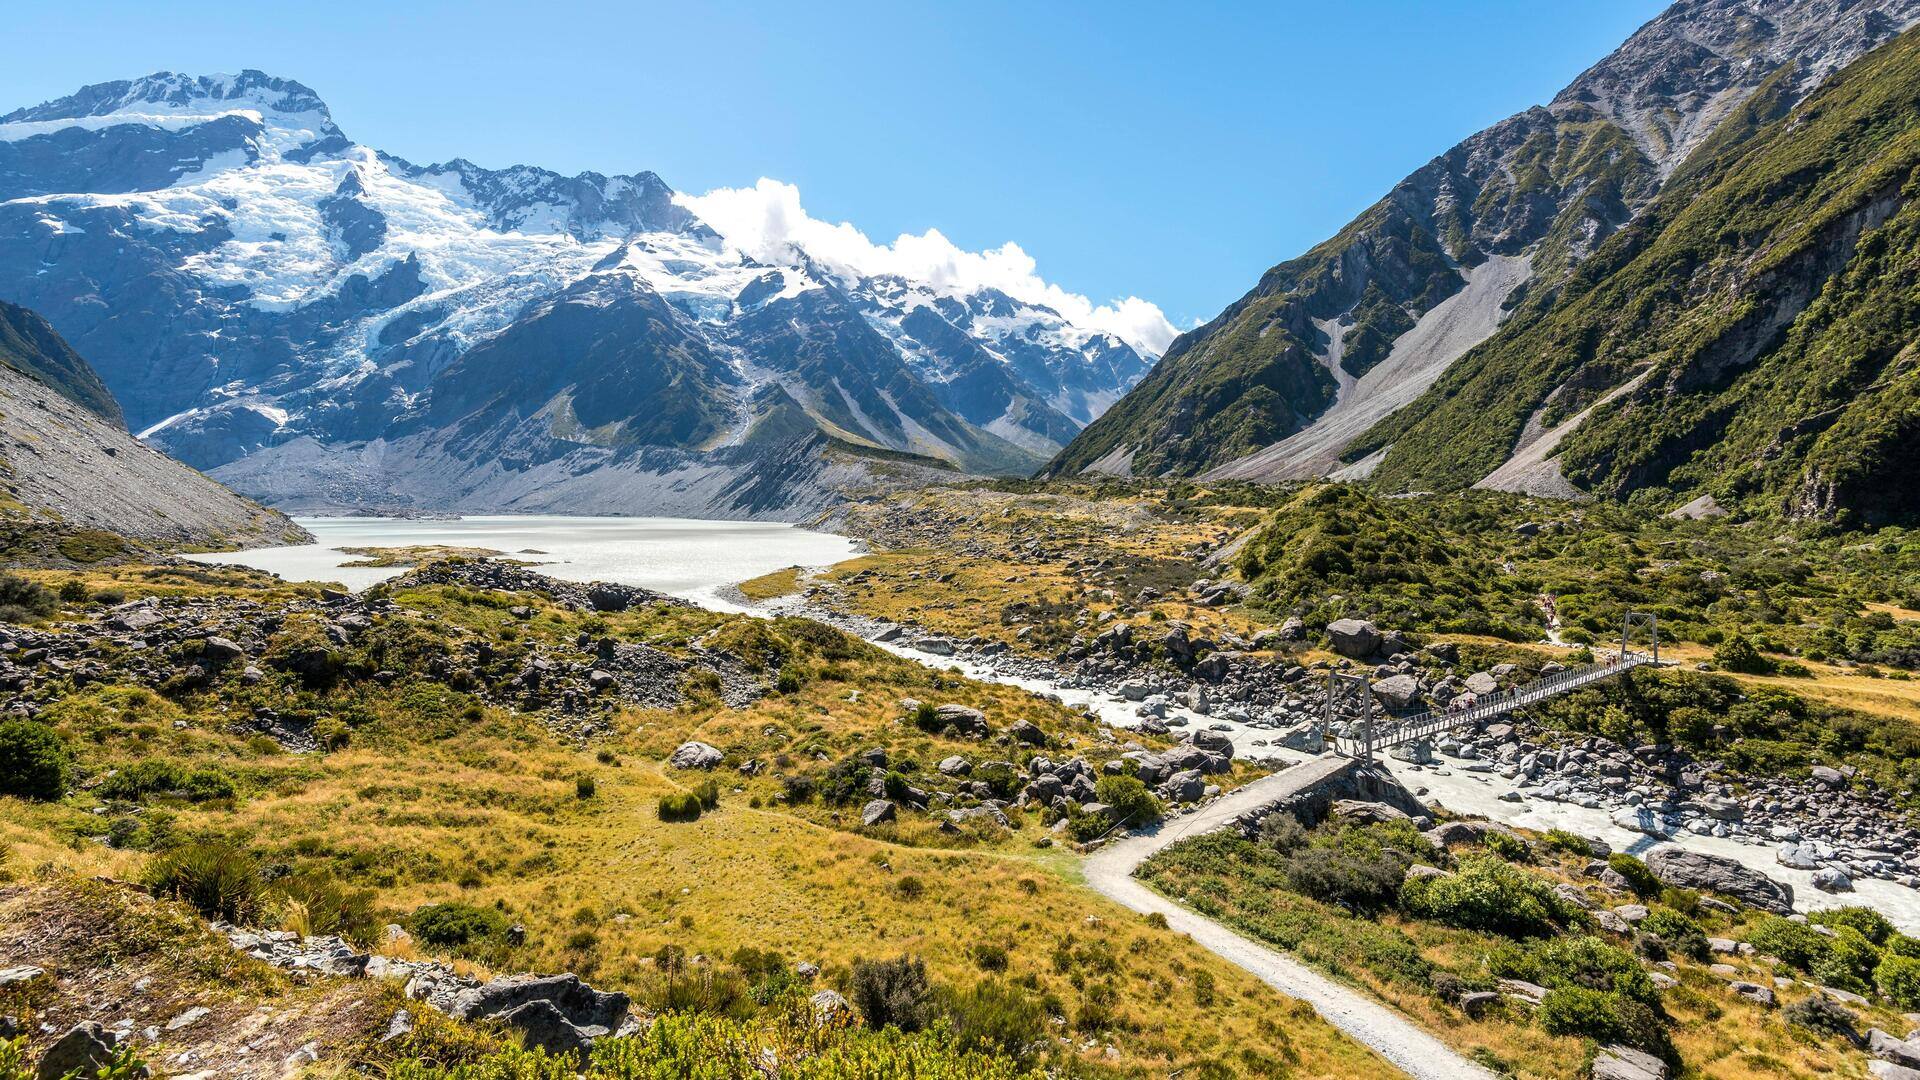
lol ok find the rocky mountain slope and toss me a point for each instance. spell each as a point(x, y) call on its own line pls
point(330, 325)
point(1285, 382)
point(1750, 338)
point(64, 464)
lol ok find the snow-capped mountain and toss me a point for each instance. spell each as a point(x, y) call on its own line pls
point(323, 324)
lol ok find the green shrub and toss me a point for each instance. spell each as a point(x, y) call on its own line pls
point(798, 789)
point(1899, 978)
point(1570, 842)
point(1508, 846)
point(584, 786)
point(1492, 896)
point(1818, 1012)
point(1848, 963)
point(1001, 777)
point(892, 993)
point(789, 680)
point(1586, 961)
point(22, 599)
point(708, 792)
point(1677, 932)
point(34, 762)
point(1602, 1016)
point(927, 718)
point(332, 733)
point(988, 956)
point(1796, 944)
point(455, 924)
point(1353, 881)
point(680, 806)
point(217, 880)
point(1639, 878)
point(1738, 655)
point(1867, 922)
point(994, 1018)
point(161, 777)
point(1132, 803)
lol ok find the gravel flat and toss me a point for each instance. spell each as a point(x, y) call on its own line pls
point(1402, 1043)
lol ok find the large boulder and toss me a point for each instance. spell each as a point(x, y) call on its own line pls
point(84, 1050)
point(1215, 742)
point(969, 722)
point(1397, 692)
point(696, 755)
point(1184, 787)
point(1356, 638)
point(878, 812)
point(1676, 866)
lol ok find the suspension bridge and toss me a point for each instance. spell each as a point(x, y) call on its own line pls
point(1352, 727)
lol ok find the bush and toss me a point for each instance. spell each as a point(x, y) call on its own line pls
point(892, 993)
point(993, 1018)
point(1492, 896)
point(1677, 932)
point(1899, 978)
point(34, 762)
point(159, 777)
point(1570, 842)
point(798, 789)
point(708, 793)
point(680, 806)
point(217, 880)
point(321, 905)
point(1356, 882)
point(1001, 777)
point(457, 924)
point(1738, 655)
point(1639, 878)
point(990, 957)
point(1132, 803)
point(1283, 833)
point(1508, 846)
point(1867, 922)
point(1796, 944)
point(22, 599)
point(1585, 961)
point(332, 733)
point(584, 787)
point(927, 718)
point(1603, 1016)
point(1821, 1013)
point(1849, 962)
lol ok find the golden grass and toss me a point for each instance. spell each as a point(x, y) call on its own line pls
point(771, 586)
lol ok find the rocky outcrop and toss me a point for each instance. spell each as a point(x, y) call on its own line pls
point(1685, 869)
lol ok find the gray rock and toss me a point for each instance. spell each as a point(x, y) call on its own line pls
point(1833, 881)
point(1184, 786)
point(1888, 1047)
point(830, 1005)
point(1398, 692)
point(1025, 731)
point(1685, 869)
point(967, 721)
point(1754, 992)
point(19, 975)
point(83, 1050)
point(1887, 1070)
point(696, 755)
point(1626, 1063)
point(878, 812)
point(1355, 638)
point(954, 766)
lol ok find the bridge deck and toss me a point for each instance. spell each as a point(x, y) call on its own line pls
point(1435, 721)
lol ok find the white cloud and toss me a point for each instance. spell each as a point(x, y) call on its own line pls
point(767, 222)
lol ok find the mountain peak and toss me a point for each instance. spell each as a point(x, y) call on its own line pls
point(180, 94)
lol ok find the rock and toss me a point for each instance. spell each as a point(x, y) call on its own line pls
point(221, 650)
point(1420, 871)
point(1024, 731)
point(1366, 812)
point(1573, 894)
point(878, 812)
point(1801, 856)
point(1354, 638)
point(1213, 742)
point(969, 722)
point(1415, 752)
point(1887, 1047)
point(1184, 786)
point(1754, 992)
point(1631, 913)
point(191, 1016)
point(1476, 1003)
point(82, 1051)
point(1626, 1063)
point(1305, 738)
point(543, 1026)
point(1482, 683)
point(1829, 778)
point(590, 1012)
point(830, 1005)
point(1832, 881)
point(1685, 869)
point(19, 976)
point(696, 755)
point(1398, 692)
point(1887, 1070)
point(399, 1025)
point(954, 766)
point(1531, 993)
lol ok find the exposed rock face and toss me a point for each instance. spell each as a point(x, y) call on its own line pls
point(1356, 638)
point(66, 463)
point(1626, 1063)
point(1709, 873)
point(696, 755)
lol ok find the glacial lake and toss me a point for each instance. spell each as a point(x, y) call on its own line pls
point(684, 557)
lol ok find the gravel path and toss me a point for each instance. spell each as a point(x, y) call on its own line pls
point(1395, 1038)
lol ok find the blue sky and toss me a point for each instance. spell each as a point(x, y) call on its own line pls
point(1172, 152)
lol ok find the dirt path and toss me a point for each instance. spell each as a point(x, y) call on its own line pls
point(1402, 1043)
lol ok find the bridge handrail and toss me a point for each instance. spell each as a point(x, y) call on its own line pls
point(1415, 726)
